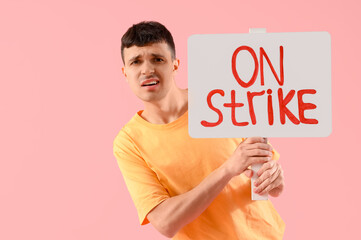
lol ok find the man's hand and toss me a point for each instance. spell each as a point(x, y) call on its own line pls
point(270, 179)
point(251, 151)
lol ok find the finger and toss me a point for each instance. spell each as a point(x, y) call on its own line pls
point(267, 178)
point(266, 190)
point(248, 173)
point(259, 153)
point(255, 160)
point(269, 183)
point(263, 146)
point(254, 140)
point(275, 184)
point(266, 166)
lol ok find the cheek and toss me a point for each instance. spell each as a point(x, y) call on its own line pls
point(166, 73)
point(132, 79)
point(134, 86)
point(132, 83)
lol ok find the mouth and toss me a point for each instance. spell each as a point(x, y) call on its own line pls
point(149, 82)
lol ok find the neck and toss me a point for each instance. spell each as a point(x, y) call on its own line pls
point(174, 105)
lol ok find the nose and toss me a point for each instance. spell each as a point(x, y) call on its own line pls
point(147, 68)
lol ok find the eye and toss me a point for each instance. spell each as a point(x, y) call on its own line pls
point(158, 60)
point(134, 62)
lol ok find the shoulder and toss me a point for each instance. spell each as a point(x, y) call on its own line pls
point(124, 139)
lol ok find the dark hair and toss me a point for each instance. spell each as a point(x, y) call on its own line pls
point(144, 33)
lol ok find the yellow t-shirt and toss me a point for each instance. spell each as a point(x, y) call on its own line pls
point(159, 161)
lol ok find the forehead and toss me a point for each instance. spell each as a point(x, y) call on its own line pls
point(149, 49)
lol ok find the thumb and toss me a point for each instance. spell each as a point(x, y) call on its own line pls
point(248, 173)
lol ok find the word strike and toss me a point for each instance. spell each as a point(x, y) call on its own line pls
point(283, 99)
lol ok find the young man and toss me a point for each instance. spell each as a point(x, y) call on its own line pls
point(188, 188)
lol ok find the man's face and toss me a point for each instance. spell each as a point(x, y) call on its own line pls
point(150, 70)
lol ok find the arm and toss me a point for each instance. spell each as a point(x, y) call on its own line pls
point(174, 213)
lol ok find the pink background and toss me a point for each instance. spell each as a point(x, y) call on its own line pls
point(63, 99)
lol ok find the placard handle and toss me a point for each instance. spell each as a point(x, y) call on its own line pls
point(256, 167)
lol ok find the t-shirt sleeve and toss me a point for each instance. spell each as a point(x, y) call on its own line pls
point(143, 185)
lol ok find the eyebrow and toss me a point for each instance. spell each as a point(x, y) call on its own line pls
point(153, 54)
point(157, 55)
point(133, 58)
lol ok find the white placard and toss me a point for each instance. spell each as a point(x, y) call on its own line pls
point(264, 84)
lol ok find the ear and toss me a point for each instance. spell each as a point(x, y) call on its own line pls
point(124, 73)
point(175, 64)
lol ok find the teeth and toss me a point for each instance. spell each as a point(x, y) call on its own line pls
point(150, 83)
